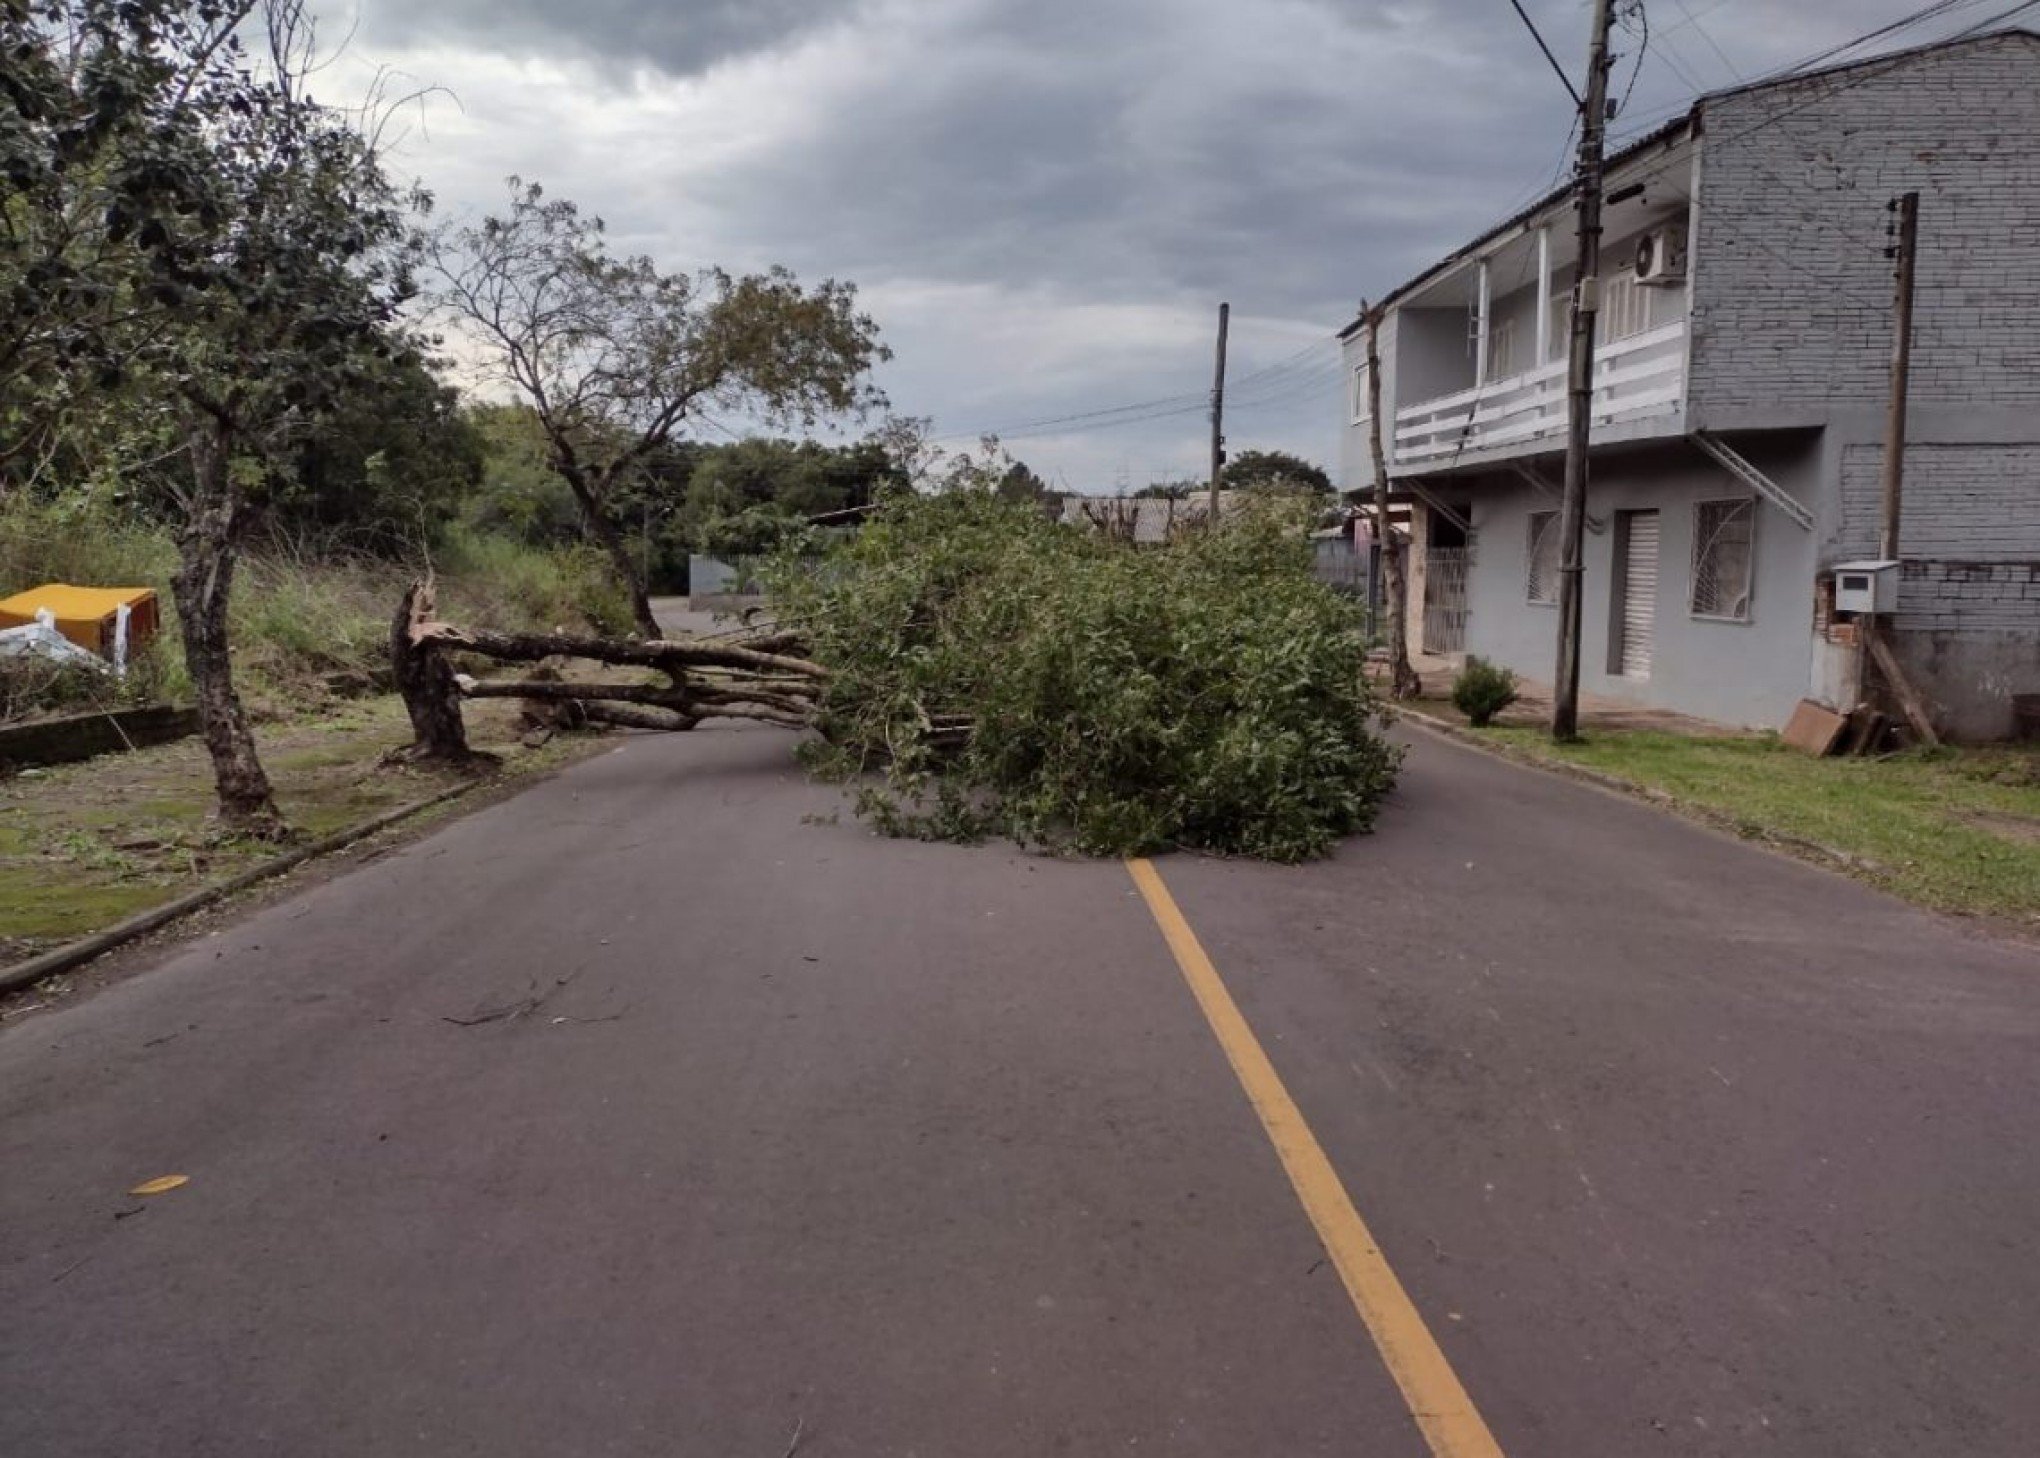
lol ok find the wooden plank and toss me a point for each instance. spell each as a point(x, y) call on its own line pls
point(1814, 728)
point(1909, 701)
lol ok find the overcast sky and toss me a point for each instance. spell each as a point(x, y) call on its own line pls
point(1043, 201)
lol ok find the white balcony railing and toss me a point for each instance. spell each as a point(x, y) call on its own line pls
point(1634, 379)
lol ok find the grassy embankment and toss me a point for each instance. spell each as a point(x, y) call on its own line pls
point(82, 846)
point(1957, 830)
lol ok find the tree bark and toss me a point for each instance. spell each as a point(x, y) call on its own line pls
point(426, 680)
point(1402, 678)
point(208, 547)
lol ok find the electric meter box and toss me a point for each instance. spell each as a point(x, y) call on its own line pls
point(1866, 587)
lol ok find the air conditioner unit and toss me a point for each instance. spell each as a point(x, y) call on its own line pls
point(1661, 256)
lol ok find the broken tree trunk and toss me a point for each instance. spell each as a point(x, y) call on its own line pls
point(754, 677)
point(426, 680)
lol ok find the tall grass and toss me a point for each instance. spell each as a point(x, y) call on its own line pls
point(302, 626)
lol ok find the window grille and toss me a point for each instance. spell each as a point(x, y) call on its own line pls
point(1722, 541)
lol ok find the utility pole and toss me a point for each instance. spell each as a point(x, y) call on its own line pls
point(1908, 210)
point(1579, 401)
point(1403, 682)
point(1218, 415)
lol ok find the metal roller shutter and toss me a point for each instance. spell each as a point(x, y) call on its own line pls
point(1639, 593)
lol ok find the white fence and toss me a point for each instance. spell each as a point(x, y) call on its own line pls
point(1634, 379)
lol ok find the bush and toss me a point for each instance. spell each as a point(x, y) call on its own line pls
point(1483, 690)
point(1207, 693)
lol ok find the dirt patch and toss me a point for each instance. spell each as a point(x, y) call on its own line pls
point(2022, 828)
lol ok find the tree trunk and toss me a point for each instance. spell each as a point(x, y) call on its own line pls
point(426, 680)
point(1402, 678)
point(207, 548)
point(611, 540)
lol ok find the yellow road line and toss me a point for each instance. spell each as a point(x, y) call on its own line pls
point(1444, 1413)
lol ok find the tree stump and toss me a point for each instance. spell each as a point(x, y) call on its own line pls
point(426, 680)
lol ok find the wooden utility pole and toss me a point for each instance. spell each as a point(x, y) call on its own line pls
point(1218, 414)
point(1908, 210)
point(1586, 303)
point(1403, 682)
point(1906, 250)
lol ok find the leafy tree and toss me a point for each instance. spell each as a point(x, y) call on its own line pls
point(1019, 483)
point(519, 495)
point(385, 469)
point(1274, 471)
point(615, 356)
point(194, 229)
point(1166, 491)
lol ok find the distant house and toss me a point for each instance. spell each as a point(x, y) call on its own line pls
point(1740, 384)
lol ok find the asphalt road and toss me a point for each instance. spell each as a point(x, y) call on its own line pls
point(655, 1113)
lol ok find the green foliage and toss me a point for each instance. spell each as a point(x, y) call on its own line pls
point(493, 579)
point(756, 531)
point(1482, 690)
point(1205, 694)
point(1274, 471)
point(614, 355)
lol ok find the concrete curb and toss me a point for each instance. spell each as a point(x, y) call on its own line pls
point(1714, 819)
point(74, 954)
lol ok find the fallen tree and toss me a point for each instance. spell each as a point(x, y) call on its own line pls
point(748, 675)
point(976, 669)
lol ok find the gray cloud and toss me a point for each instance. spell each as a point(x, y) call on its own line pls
point(679, 39)
point(1045, 199)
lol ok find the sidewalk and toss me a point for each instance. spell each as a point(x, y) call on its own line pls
point(1533, 705)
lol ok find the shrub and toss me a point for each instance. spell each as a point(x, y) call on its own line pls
point(1205, 693)
point(1483, 690)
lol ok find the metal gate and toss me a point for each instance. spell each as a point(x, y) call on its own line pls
point(1639, 592)
point(1445, 600)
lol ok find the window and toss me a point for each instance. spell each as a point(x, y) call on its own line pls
point(1359, 412)
point(1625, 307)
point(1721, 558)
point(1501, 350)
point(1543, 573)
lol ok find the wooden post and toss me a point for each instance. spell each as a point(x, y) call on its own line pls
point(1403, 682)
point(1218, 415)
point(1565, 698)
point(1909, 701)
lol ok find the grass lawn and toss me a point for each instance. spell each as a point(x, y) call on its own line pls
point(84, 845)
point(1955, 829)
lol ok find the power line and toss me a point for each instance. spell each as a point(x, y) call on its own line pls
point(1140, 411)
point(1556, 69)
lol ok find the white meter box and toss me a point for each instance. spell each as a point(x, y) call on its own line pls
point(1866, 587)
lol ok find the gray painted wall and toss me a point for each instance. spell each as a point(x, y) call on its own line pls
point(1749, 673)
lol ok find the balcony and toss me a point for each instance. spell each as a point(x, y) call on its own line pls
point(1635, 379)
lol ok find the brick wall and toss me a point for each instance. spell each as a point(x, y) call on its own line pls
point(1792, 292)
point(1967, 501)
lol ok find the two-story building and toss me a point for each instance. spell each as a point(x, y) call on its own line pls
point(1740, 391)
